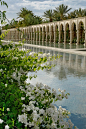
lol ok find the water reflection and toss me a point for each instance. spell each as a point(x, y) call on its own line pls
point(57, 45)
point(69, 74)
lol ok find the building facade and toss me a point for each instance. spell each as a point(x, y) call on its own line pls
point(66, 31)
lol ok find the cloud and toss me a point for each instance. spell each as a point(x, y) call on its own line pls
point(39, 6)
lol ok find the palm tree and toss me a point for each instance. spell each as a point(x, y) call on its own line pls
point(72, 15)
point(62, 10)
point(49, 14)
point(23, 12)
point(79, 13)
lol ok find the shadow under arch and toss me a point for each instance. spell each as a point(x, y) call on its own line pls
point(74, 35)
point(81, 32)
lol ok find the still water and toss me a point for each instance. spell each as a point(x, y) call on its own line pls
point(57, 45)
point(69, 74)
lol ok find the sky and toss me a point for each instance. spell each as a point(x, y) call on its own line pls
point(38, 7)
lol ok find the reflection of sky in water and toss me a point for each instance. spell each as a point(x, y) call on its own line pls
point(71, 77)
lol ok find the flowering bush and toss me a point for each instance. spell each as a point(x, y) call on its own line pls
point(22, 105)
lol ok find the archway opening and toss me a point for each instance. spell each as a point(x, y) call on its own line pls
point(67, 33)
point(74, 35)
point(81, 33)
point(62, 33)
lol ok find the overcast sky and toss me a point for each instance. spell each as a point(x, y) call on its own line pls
point(38, 7)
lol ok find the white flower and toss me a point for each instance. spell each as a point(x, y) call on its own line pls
point(8, 109)
point(1, 121)
point(1, 70)
point(22, 98)
point(22, 118)
point(31, 53)
point(5, 85)
point(59, 90)
point(41, 111)
point(6, 127)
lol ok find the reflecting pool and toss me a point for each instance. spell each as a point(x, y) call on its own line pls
point(57, 45)
point(69, 74)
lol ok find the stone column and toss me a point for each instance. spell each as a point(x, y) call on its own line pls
point(19, 35)
point(39, 37)
point(42, 37)
point(71, 33)
point(46, 37)
point(59, 36)
point(77, 37)
point(65, 36)
point(16, 35)
point(31, 35)
point(85, 38)
point(54, 38)
point(50, 36)
point(36, 37)
point(27, 35)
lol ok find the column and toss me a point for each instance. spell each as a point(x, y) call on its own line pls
point(50, 35)
point(71, 36)
point(64, 36)
point(50, 39)
point(36, 37)
point(42, 37)
point(85, 38)
point(54, 38)
point(59, 36)
point(25, 35)
point(39, 37)
point(77, 37)
point(46, 37)
point(31, 35)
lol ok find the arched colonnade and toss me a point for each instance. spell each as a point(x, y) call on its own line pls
point(66, 31)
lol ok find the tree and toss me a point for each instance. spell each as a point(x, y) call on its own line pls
point(28, 18)
point(49, 14)
point(62, 11)
point(23, 12)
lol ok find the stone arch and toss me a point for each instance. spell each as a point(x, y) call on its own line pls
point(74, 35)
point(81, 32)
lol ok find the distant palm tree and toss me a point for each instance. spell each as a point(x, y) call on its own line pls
point(62, 10)
point(49, 14)
point(79, 12)
point(23, 12)
point(72, 15)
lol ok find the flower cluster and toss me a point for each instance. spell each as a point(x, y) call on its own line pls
point(40, 112)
